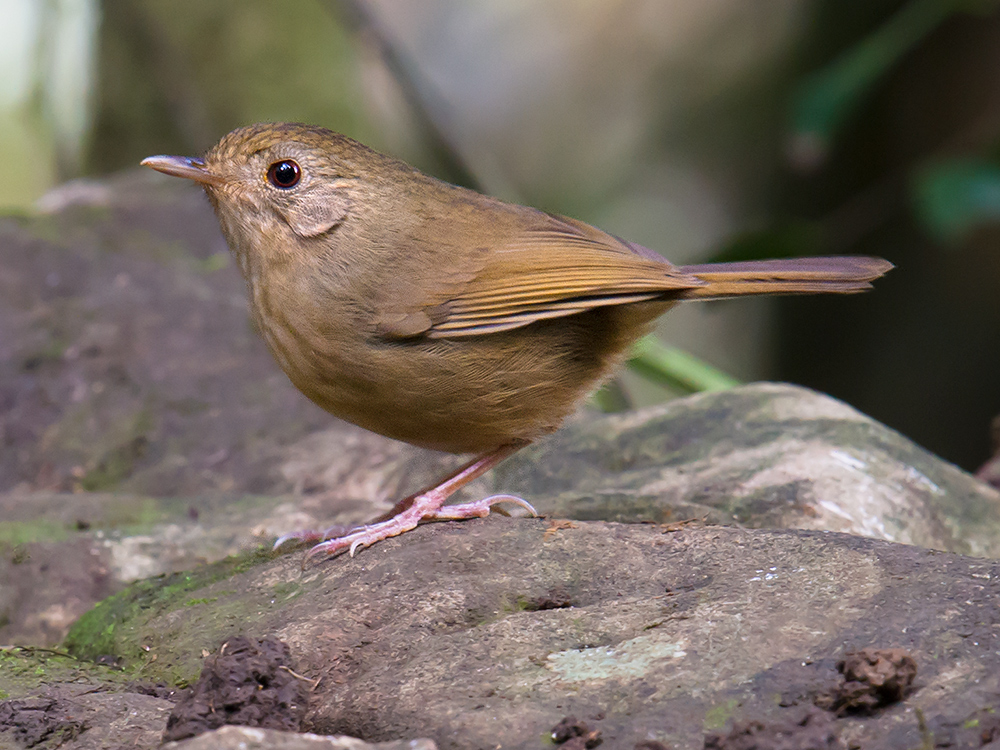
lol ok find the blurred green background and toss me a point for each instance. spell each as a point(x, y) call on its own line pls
point(705, 129)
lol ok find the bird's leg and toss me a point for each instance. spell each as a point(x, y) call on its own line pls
point(426, 505)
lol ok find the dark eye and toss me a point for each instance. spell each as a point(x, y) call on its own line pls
point(284, 174)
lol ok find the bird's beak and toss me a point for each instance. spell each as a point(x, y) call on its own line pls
point(189, 167)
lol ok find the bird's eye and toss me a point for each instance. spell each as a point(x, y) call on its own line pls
point(284, 174)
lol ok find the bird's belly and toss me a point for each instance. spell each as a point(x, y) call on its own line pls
point(436, 397)
point(466, 394)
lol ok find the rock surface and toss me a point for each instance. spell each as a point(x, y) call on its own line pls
point(246, 738)
point(763, 456)
point(75, 716)
point(146, 432)
point(126, 358)
point(490, 632)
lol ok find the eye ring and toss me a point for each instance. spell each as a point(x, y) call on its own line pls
point(284, 174)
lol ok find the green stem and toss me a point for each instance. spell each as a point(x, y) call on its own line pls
point(677, 369)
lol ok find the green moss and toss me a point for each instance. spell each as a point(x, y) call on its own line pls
point(113, 626)
point(22, 670)
point(14, 533)
point(717, 716)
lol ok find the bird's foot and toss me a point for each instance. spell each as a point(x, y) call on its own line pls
point(425, 507)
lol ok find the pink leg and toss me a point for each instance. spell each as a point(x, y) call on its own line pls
point(426, 505)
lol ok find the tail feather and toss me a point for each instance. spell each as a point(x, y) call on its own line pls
point(839, 275)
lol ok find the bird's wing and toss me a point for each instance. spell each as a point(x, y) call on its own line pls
point(561, 267)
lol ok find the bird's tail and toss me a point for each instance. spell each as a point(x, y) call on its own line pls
point(837, 275)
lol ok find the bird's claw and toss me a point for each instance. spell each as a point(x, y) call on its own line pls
point(478, 508)
point(312, 536)
point(422, 509)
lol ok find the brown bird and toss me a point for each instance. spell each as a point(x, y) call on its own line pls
point(435, 315)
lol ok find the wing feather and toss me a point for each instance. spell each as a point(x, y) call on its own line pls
point(562, 268)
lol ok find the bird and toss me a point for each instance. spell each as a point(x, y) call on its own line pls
point(440, 316)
